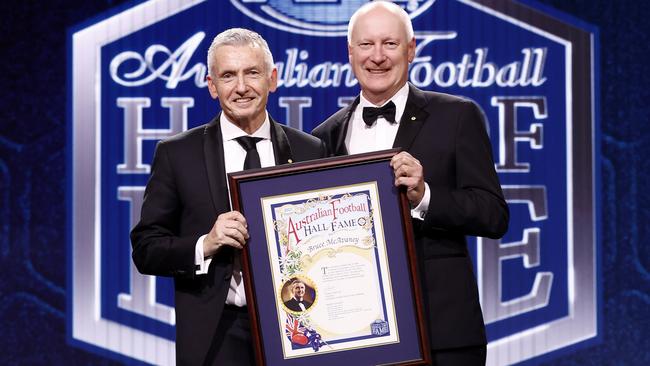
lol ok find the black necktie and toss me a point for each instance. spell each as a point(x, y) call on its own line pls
point(252, 160)
point(370, 114)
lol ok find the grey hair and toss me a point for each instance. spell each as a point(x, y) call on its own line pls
point(239, 37)
point(387, 5)
point(296, 282)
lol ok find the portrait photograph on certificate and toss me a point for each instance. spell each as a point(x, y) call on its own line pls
point(330, 270)
point(329, 267)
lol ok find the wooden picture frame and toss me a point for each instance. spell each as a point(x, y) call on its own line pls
point(329, 269)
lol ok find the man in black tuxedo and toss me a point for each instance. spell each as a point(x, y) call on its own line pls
point(187, 229)
point(446, 167)
point(297, 301)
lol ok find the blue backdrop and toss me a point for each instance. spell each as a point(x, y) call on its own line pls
point(33, 181)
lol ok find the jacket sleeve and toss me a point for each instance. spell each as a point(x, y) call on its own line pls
point(474, 205)
point(157, 247)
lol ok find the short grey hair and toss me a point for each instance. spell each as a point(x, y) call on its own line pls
point(239, 37)
point(297, 281)
point(388, 5)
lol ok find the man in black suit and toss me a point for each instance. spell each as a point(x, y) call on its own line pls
point(297, 301)
point(446, 167)
point(187, 229)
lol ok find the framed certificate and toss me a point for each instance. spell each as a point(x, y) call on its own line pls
point(329, 268)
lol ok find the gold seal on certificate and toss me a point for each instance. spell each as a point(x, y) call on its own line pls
point(328, 262)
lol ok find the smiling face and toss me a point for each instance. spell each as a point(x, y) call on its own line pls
point(380, 53)
point(241, 80)
point(298, 290)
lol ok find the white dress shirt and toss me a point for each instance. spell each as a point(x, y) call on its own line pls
point(234, 156)
point(362, 138)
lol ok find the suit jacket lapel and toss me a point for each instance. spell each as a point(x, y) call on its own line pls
point(281, 147)
point(215, 165)
point(341, 128)
point(412, 120)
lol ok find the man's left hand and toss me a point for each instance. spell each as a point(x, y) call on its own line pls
point(408, 173)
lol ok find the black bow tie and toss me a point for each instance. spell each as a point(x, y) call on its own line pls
point(370, 114)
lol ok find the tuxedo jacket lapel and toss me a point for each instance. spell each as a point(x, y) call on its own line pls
point(412, 120)
point(281, 148)
point(341, 128)
point(215, 165)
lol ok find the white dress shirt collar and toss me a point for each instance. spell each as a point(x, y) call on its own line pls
point(230, 131)
point(362, 138)
point(399, 99)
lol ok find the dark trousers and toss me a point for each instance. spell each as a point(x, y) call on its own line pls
point(466, 356)
point(234, 346)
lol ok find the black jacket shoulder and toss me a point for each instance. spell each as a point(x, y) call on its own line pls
point(303, 145)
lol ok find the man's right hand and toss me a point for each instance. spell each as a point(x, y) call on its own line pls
point(229, 229)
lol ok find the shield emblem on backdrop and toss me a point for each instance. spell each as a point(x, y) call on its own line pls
point(138, 76)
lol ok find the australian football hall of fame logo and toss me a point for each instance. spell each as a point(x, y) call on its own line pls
point(313, 17)
point(137, 76)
